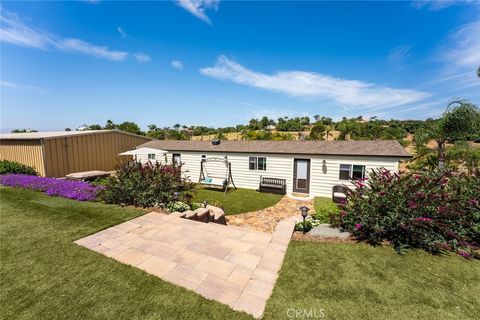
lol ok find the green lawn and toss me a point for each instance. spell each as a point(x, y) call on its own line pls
point(323, 208)
point(357, 281)
point(46, 276)
point(239, 200)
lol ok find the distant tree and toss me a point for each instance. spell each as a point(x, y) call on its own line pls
point(328, 129)
point(94, 127)
point(68, 129)
point(316, 117)
point(220, 134)
point(156, 133)
point(264, 122)
point(326, 120)
point(458, 122)
point(254, 124)
point(478, 72)
point(109, 125)
point(130, 127)
point(305, 121)
point(317, 132)
point(176, 126)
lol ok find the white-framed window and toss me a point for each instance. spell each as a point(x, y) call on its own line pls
point(262, 163)
point(151, 156)
point(252, 163)
point(176, 159)
point(351, 172)
point(344, 172)
point(257, 163)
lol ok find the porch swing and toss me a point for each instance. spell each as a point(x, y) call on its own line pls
point(217, 182)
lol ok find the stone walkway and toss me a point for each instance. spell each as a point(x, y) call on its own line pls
point(233, 265)
point(267, 219)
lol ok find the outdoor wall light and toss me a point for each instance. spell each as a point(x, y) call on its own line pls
point(162, 206)
point(205, 203)
point(304, 211)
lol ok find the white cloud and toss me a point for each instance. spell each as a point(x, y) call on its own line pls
point(397, 56)
point(122, 32)
point(462, 47)
point(142, 57)
point(12, 30)
point(311, 85)
point(77, 45)
point(435, 5)
point(459, 56)
point(177, 64)
point(198, 7)
point(11, 85)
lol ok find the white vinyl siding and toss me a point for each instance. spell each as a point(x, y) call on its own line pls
point(157, 157)
point(324, 170)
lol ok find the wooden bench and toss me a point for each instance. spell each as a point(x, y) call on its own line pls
point(273, 185)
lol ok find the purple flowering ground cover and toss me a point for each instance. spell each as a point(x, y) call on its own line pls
point(77, 190)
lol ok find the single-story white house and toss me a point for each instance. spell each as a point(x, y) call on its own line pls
point(308, 167)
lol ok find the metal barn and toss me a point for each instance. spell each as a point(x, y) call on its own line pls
point(56, 154)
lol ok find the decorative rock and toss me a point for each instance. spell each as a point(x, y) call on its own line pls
point(219, 217)
point(192, 215)
point(327, 231)
point(214, 211)
point(179, 214)
point(202, 214)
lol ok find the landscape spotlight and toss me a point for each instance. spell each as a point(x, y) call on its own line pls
point(304, 212)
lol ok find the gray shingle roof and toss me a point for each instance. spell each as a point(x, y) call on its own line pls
point(387, 148)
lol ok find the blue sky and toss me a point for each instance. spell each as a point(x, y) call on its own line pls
point(218, 63)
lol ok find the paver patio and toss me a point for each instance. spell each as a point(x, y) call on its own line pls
point(236, 266)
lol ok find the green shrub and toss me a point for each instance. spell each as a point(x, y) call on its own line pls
point(325, 209)
point(147, 185)
point(15, 167)
point(178, 206)
point(195, 205)
point(433, 211)
point(309, 224)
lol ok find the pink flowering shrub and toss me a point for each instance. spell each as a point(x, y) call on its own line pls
point(432, 211)
point(147, 185)
point(77, 190)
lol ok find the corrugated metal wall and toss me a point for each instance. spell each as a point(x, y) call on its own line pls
point(78, 153)
point(28, 152)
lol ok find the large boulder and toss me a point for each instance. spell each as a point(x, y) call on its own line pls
point(189, 214)
point(202, 214)
point(217, 215)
